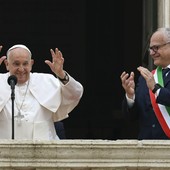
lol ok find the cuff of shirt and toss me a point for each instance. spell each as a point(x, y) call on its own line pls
point(157, 93)
point(130, 102)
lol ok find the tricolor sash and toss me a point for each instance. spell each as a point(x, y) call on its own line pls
point(162, 112)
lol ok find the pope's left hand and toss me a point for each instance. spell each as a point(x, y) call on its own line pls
point(57, 63)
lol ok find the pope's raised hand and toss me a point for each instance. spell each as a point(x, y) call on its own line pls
point(57, 62)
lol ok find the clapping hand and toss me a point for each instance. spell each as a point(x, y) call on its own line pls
point(128, 83)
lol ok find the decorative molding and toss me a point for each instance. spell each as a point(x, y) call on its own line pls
point(85, 155)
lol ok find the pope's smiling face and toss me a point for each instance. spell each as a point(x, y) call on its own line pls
point(19, 63)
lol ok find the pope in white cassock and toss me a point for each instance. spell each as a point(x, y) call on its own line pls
point(40, 98)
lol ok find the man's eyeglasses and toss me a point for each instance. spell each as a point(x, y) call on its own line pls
point(155, 48)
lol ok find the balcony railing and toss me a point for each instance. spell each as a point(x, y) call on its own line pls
point(85, 155)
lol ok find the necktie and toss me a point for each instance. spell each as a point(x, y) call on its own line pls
point(164, 72)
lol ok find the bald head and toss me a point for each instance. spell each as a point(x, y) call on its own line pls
point(166, 33)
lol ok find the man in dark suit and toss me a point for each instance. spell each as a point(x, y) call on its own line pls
point(149, 101)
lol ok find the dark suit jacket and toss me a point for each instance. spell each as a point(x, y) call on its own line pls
point(60, 130)
point(149, 127)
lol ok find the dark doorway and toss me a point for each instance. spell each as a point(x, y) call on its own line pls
point(99, 39)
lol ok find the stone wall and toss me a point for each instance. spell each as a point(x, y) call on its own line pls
point(85, 155)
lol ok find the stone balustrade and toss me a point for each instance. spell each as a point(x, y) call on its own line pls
point(85, 155)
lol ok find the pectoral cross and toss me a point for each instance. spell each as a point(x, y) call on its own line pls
point(19, 116)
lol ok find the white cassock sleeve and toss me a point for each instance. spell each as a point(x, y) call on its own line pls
point(71, 94)
point(52, 94)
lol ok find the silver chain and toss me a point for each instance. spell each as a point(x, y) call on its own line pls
point(19, 115)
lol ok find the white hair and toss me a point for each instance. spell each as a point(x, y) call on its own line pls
point(165, 31)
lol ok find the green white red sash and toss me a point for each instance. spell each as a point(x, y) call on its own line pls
point(162, 112)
